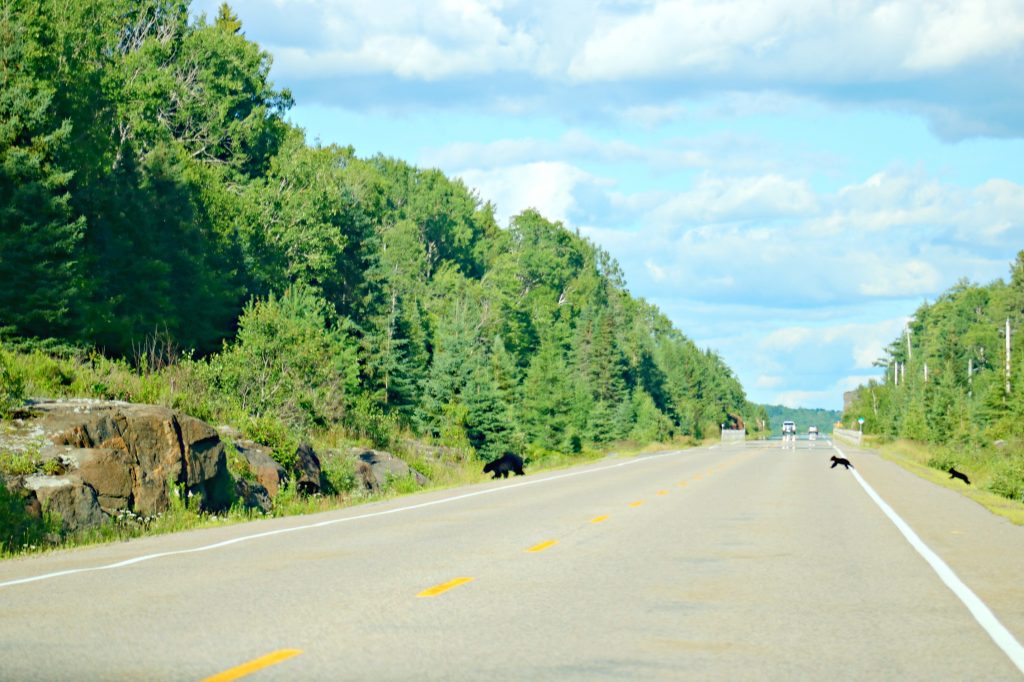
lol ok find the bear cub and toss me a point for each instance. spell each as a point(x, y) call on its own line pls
point(504, 464)
point(840, 461)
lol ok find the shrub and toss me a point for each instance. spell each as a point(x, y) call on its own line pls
point(289, 362)
point(276, 435)
point(18, 529)
point(17, 463)
point(942, 460)
point(12, 385)
point(339, 473)
point(401, 484)
point(1008, 477)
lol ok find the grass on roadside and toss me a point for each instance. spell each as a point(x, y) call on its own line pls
point(915, 458)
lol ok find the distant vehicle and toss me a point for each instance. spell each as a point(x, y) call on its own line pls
point(789, 434)
point(812, 433)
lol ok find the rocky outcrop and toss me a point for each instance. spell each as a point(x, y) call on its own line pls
point(117, 455)
point(109, 472)
point(375, 467)
point(68, 498)
point(267, 472)
point(253, 495)
point(130, 454)
point(307, 467)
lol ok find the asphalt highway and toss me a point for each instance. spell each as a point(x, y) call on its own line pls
point(745, 561)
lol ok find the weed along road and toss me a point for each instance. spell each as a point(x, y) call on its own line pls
point(742, 561)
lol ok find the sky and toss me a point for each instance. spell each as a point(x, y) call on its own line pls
point(787, 180)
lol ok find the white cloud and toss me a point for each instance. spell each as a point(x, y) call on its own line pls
point(765, 381)
point(574, 145)
point(717, 199)
point(887, 278)
point(787, 339)
point(545, 186)
point(657, 272)
point(799, 40)
point(953, 32)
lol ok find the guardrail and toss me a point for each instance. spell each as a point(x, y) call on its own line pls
point(848, 435)
point(734, 435)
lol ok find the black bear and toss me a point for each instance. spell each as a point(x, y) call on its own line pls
point(841, 461)
point(953, 473)
point(504, 464)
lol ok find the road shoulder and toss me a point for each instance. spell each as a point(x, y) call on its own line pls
point(985, 550)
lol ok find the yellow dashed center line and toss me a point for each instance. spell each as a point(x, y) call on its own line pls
point(682, 484)
point(542, 546)
point(599, 519)
point(636, 504)
point(663, 492)
point(443, 587)
point(254, 665)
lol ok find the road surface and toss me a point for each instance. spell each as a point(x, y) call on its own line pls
point(743, 561)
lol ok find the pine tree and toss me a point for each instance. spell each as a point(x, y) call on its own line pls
point(38, 233)
point(547, 398)
point(488, 427)
point(227, 20)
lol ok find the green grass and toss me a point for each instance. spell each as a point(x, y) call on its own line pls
point(185, 385)
point(982, 468)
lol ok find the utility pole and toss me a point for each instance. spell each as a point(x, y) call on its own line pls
point(926, 372)
point(1008, 347)
point(896, 373)
point(910, 352)
point(970, 378)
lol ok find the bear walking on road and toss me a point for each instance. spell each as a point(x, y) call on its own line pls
point(504, 464)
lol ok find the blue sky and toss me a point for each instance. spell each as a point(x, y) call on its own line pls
point(786, 179)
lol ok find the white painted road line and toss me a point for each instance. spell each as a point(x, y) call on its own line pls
point(1003, 638)
point(331, 522)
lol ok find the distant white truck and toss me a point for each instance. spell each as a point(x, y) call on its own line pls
point(812, 434)
point(789, 433)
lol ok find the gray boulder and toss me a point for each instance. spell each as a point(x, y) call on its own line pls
point(374, 467)
point(307, 467)
point(72, 500)
point(253, 495)
point(267, 471)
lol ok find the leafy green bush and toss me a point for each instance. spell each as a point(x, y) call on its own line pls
point(942, 460)
point(289, 362)
point(18, 529)
point(1008, 477)
point(339, 473)
point(12, 385)
point(402, 485)
point(17, 463)
point(276, 435)
point(369, 422)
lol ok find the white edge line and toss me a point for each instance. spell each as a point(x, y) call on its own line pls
point(330, 522)
point(1003, 638)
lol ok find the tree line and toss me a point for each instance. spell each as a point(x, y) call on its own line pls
point(804, 417)
point(151, 188)
point(947, 382)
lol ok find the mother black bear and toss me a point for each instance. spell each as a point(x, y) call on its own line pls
point(504, 464)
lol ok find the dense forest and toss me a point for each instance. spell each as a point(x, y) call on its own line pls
point(947, 381)
point(804, 417)
point(158, 210)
